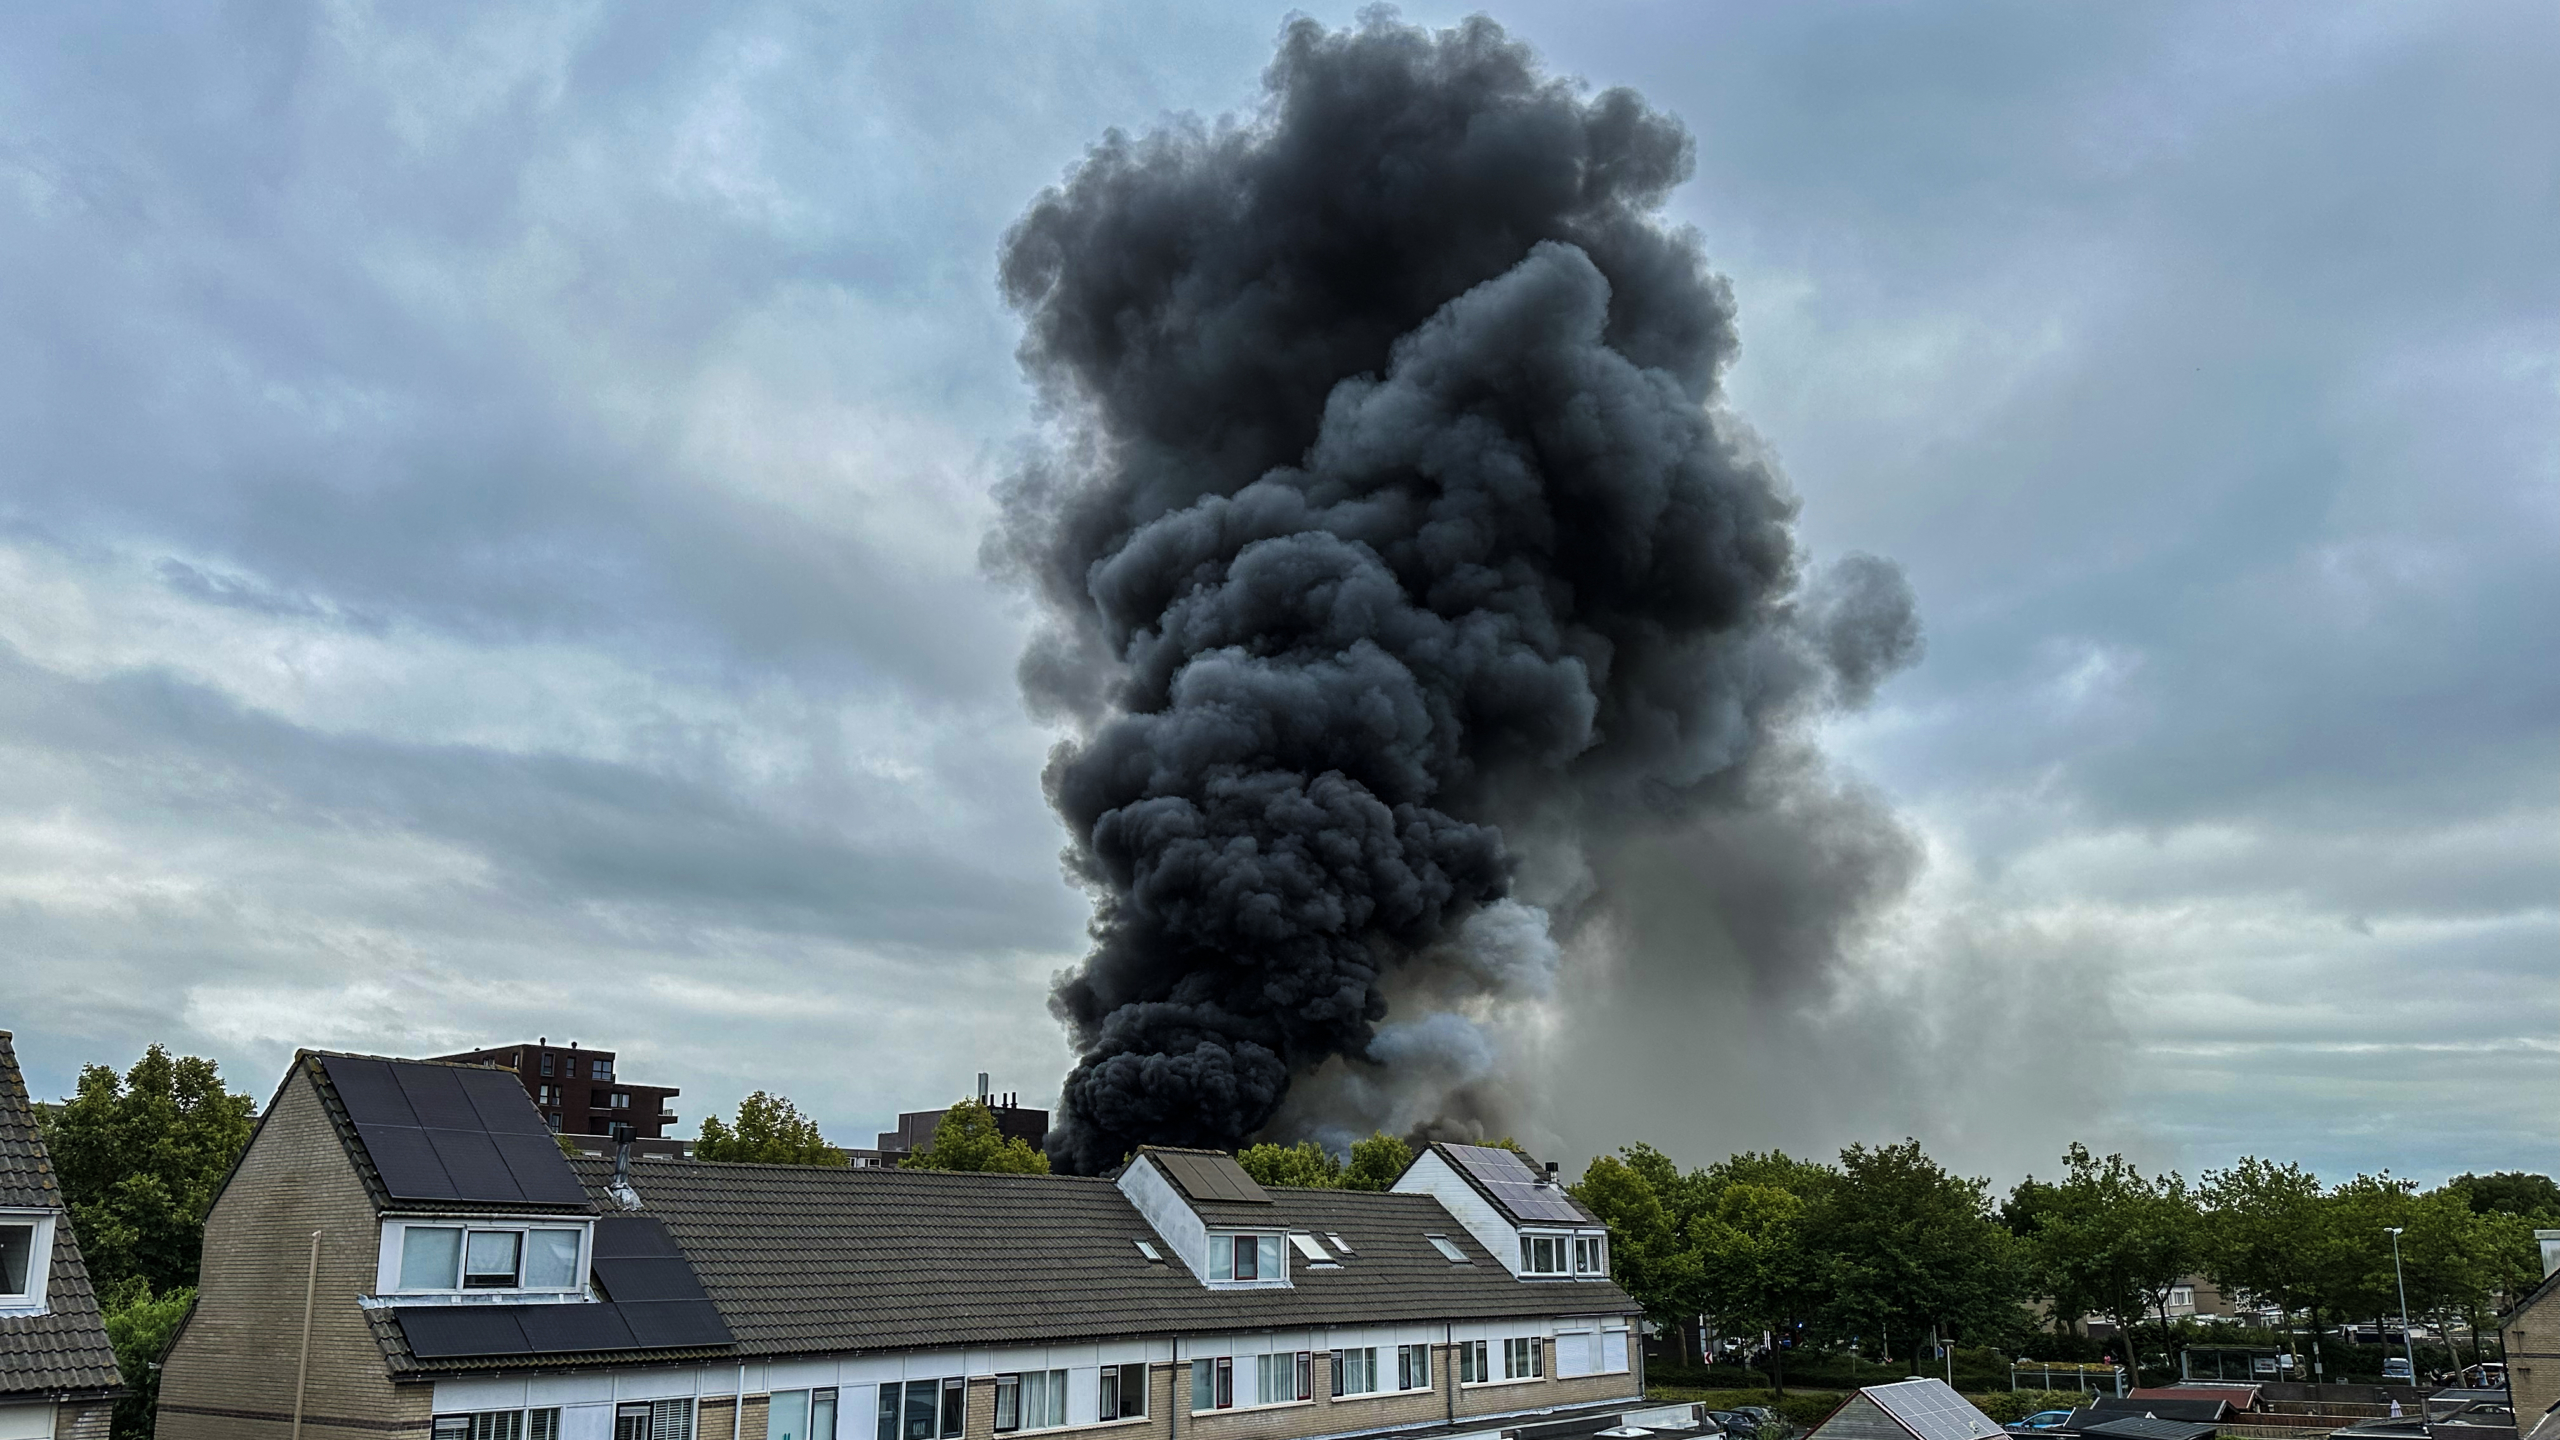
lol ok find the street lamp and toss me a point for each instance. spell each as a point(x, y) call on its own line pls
point(2408, 1345)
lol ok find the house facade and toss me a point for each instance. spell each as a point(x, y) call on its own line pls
point(2530, 1333)
point(58, 1377)
point(468, 1282)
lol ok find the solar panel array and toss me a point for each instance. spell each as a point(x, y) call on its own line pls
point(1514, 1186)
point(1931, 1411)
point(653, 1301)
point(1209, 1177)
point(450, 1132)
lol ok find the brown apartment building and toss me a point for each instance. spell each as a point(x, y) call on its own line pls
point(580, 1092)
point(474, 1284)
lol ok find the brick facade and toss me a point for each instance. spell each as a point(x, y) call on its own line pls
point(230, 1376)
point(2531, 1335)
point(91, 1421)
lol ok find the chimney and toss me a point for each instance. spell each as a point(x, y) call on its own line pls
point(982, 1087)
point(2550, 1241)
point(1550, 1177)
point(622, 1163)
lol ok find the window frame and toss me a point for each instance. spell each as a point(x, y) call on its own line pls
point(1112, 1392)
point(808, 1411)
point(530, 1424)
point(687, 1409)
point(1448, 1249)
point(1216, 1374)
point(1342, 1367)
point(1053, 1400)
point(950, 1395)
point(1412, 1360)
point(390, 1279)
point(1228, 1251)
point(1473, 1360)
point(29, 1297)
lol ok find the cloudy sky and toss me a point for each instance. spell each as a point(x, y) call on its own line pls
point(490, 520)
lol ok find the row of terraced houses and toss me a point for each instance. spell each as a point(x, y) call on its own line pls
point(403, 1249)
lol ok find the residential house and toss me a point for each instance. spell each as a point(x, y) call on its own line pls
point(58, 1376)
point(470, 1283)
point(2530, 1331)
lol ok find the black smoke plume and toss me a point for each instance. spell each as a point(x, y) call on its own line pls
point(1390, 512)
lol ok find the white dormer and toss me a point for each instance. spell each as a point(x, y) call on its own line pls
point(1521, 1214)
point(1203, 1208)
point(457, 1259)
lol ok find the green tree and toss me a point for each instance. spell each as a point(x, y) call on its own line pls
point(140, 1157)
point(2119, 1241)
point(2253, 1224)
point(1376, 1163)
point(139, 1324)
point(1304, 1164)
point(1912, 1250)
point(1755, 1266)
point(770, 1131)
point(1647, 1257)
point(968, 1138)
point(2510, 1192)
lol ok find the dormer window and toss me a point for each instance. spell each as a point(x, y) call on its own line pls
point(26, 1255)
point(490, 1259)
point(1543, 1254)
point(1242, 1258)
point(1591, 1256)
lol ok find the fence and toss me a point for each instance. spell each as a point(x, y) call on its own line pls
point(2063, 1375)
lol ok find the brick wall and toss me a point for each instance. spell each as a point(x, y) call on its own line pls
point(231, 1374)
point(2532, 1339)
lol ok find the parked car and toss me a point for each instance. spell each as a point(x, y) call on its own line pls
point(2041, 1420)
point(2396, 1367)
point(1737, 1423)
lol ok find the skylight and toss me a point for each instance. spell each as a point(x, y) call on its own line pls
point(1306, 1245)
point(1146, 1248)
point(1339, 1243)
point(1441, 1244)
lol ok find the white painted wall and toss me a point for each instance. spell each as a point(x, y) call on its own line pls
point(1178, 1227)
point(26, 1422)
point(1436, 1177)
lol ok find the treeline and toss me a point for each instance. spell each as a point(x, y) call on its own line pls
point(1889, 1253)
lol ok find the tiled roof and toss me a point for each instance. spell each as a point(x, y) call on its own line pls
point(64, 1350)
point(807, 1260)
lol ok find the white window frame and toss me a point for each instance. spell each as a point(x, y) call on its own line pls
point(808, 1411)
point(1053, 1394)
point(30, 1301)
point(1271, 1251)
point(1557, 1248)
point(468, 1422)
point(1533, 1349)
point(1410, 1358)
point(1591, 1257)
point(394, 1238)
point(1110, 1390)
point(1341, 1387)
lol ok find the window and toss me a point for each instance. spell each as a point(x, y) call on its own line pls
point(1338, 1242)
point(1032, 1400)
point(1355, 1372)
point(621, 1099)
point(1542, 1255)
point(1213, 1384)
point(1591, 1256)
point(800, 1415)
point(552, 1119)
point(1447, 1250)
point(1413, 1367)
point(491, 1259)
point(1574, 1354)
point(1284, 1376)
point(551, 1260)
point(541, 1424)
point(547, 1058)
point(600, 1070)
point(549, 1095)
point(922, 1409)
point(1311, 1248)
point(1471, 1359)
point(1524, 1359)
point(1124, 1392)
point(1246, 1257)
point(651, 1420)
point(430, 1256)
point(17, 1259)
point(1148, 1249)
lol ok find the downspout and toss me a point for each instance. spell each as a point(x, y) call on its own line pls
point(738, 1411)
point(1449, 1358)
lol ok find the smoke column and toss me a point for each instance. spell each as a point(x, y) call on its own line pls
point(1395, 552)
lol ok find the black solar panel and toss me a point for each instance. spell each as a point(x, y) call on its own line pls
point(660, 1324)
point(1210, 1177)
point(446, 1132)
point(1515, 1186)
point(628, 1278)
point(436, 1331)
point(552, 1329)
point(638, 1236)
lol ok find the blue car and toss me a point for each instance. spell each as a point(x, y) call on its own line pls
point(2039, 1421)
